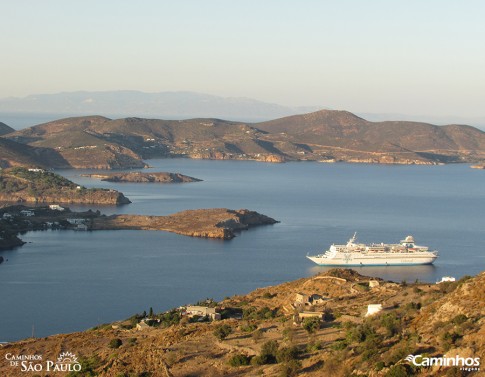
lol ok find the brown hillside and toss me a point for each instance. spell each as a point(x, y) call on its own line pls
point(19, 184)
point(417, 319)
point(327, 135)
point(17, 154)
point(343, 128)
point(332, 122)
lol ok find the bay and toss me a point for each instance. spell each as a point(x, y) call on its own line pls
point(64, 281)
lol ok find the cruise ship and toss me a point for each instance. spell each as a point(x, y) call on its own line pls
point(377, 254)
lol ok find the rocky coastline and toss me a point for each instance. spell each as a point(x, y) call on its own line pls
point(99, 196)
point(10, 243)
point(35, 185)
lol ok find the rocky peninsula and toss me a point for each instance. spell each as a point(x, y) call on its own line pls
point(139, 177)
point(219, 223)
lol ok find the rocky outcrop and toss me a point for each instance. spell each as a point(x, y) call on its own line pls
point(479, 166)
point(10, 243)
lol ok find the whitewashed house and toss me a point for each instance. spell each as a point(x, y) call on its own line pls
point(373, 309)
point(203, 311)
point(56, 207)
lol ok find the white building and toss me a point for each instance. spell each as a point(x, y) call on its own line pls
point(27, 212)
point(75, 221)
point(56, 207)
point(373, 309)
point(373, 283)
point(203, 311)
point(446, 278)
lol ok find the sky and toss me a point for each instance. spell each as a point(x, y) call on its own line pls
point(381, 56)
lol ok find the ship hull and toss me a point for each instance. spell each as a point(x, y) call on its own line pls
point(381, 260)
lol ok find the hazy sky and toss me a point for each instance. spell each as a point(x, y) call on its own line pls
point(410, 57)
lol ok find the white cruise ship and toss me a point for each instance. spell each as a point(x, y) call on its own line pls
point(381, 254)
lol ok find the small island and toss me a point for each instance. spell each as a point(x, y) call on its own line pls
point(36, 185)
point(139, 177)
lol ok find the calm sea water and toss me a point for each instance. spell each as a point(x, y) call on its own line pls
point(64, 281)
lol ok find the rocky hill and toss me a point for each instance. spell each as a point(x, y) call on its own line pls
point(4, 129)
point(310, 327)
point(344, 136)
point(329, 136)
point(39, 186)
point(18, 154)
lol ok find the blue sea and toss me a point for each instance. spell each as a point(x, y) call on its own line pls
point(65, 281)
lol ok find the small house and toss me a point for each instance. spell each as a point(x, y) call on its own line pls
point(27, 213)
point(56, 207)
point(315, 299)
point(142, 325)
point(373, 283)
point(75, 221)
point(300, 316)
point(373, 309)
point(203, 311)
point(306, 314)
point(301, 299)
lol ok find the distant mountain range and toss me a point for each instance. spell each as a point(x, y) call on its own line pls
point(326, 135)
point(173, 105)
point(27, 111)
